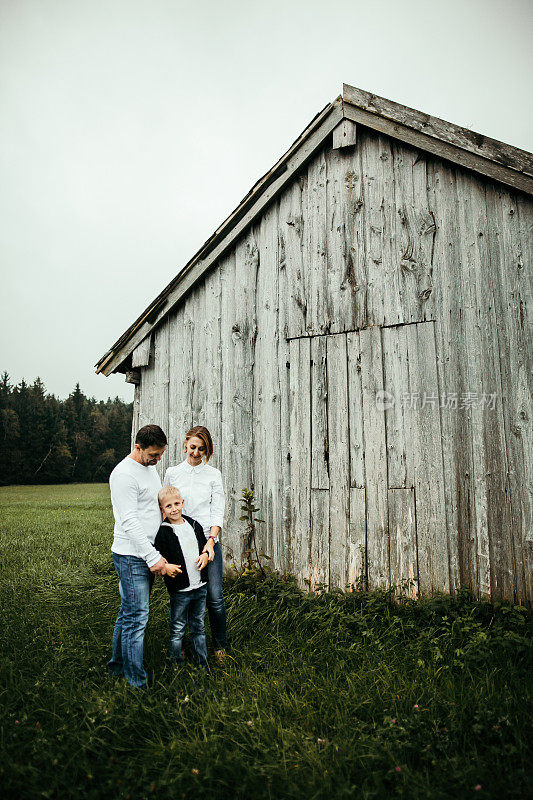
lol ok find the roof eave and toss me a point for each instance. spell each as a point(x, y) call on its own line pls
point(252, 204)
point(504, 163)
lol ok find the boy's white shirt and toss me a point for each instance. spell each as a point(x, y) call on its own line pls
point(134, 489)
point(189, 546)
point(203, 492)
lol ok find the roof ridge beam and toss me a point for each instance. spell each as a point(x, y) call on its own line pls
point(501, 162)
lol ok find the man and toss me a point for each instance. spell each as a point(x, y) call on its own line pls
point(134, 487)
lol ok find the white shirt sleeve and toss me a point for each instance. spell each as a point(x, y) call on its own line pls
point(218, 502)
point(166, 479)
point(124, 493)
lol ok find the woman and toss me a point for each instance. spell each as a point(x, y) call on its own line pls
point(201, 487)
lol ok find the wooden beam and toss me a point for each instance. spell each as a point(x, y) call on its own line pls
point(345, 134)
point(141, 355)
point(133, 376)
point(491, 158)
point(229, 232)
point(477, 143)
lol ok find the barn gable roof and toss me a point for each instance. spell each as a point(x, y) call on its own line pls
point(501, 162)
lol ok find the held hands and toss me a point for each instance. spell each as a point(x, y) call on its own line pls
point(202, 560)
point(171, 570)
point(164, 568)
point(159, 568)
point(210, 549)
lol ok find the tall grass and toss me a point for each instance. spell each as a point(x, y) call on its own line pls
point(331, 696)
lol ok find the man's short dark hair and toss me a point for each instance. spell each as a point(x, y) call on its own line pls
point(150, 436)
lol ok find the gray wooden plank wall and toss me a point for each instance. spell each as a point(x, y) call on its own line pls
point(379, 267)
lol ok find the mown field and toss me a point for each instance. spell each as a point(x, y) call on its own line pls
point(335, 696)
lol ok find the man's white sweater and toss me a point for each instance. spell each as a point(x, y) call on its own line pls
point(134, 491)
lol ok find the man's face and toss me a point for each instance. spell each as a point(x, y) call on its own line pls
point(150, 455)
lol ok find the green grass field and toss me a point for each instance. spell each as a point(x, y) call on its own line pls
point(335, 696)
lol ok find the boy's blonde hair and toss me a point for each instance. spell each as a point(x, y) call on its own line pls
point(168, 491)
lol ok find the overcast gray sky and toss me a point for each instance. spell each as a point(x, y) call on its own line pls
point(129, 129)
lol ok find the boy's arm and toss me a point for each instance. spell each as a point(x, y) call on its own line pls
point(171, 570)
point(124, 493)
point(163, 545)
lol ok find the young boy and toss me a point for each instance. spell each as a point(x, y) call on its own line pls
point(180, 540)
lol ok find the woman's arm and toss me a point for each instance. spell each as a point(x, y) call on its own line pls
point(202, 560)
point(217, 505)
point(210, 545)
point(216, 509)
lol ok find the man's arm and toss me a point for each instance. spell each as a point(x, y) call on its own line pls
point(161, 567)
point(124, 493)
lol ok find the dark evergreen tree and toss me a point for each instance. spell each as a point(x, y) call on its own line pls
point(46, 440)
point(9, 433)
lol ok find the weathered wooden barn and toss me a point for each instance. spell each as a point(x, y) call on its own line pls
point(357, 337)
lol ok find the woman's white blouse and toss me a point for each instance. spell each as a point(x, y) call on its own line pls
point(201, 488)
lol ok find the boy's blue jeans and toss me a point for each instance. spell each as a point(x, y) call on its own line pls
point(215, 600)
point(128, 636)
point(191, 606)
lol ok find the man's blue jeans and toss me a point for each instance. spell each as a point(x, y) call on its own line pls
point(188, 605)
point(215, 600)
point(128, 637)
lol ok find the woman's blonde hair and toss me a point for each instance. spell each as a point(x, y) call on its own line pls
point(203, 434)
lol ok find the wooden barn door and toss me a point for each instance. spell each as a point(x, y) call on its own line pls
point(369, 502)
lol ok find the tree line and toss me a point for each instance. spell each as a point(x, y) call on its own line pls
point(47, 440)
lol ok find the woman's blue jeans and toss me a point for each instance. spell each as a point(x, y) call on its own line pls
point(135, 583)
point(215, 600)
point(188, 606)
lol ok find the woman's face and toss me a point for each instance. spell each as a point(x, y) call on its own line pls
point(195, 449)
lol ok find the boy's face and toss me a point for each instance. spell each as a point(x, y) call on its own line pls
point(171, 507)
